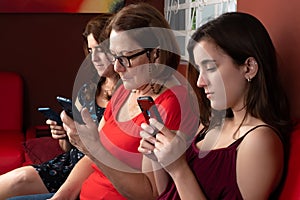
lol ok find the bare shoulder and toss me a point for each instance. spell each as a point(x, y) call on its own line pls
point(260, 161)
point(263, 134)
point(262, 139)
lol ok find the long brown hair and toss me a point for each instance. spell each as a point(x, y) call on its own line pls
point(97, 26)
point(241, 36)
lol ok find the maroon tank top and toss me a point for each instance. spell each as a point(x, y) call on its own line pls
point(215, 172)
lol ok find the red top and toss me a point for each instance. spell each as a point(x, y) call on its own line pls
point(122, 139)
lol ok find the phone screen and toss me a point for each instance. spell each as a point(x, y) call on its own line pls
point(51, 114)
point(66, 104)
point(148, 108)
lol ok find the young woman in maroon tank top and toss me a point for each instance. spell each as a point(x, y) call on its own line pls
point(240, 151)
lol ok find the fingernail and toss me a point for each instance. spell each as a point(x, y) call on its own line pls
point(156, 124)
point(148, 152)
point(147, 128)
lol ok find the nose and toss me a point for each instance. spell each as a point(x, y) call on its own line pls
point(95, 56)
point(202, 80)
point(118, 67)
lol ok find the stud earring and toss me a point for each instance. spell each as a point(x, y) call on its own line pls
point(249, 79)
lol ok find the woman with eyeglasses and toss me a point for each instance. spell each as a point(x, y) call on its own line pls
point(145, 55)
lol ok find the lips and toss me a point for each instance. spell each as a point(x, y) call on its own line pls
point(100, 67)
point(125, 79)
point(209, 94)
point(124, 76)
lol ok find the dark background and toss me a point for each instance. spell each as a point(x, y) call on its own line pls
point(46, 49)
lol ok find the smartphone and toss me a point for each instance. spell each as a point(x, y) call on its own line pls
point(66, 104)
point(148, 108)
point(51, 114)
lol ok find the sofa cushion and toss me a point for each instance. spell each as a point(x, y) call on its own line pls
point(12, 151)
point(39, 150)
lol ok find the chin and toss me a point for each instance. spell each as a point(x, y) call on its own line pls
point(218, 106)
point(128, 86)
point(100, 72)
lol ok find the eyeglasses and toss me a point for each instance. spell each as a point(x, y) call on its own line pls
point(125, 60)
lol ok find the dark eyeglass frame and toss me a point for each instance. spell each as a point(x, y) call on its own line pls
point(121, 58)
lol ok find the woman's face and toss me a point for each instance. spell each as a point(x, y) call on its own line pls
point(99, 58)
point(137, 74)
point(222, 80)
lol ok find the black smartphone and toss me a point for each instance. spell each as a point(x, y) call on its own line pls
point(66, 104)
point(148, 108)
point(51, 114)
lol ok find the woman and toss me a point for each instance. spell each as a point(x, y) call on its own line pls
point(146, 63)
point(49, 176)
point(239, 155)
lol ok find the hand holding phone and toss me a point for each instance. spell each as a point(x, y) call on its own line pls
point(149, 109)
point(66, 104)
point(51, 114)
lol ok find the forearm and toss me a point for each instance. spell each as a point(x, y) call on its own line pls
point(160, 176)
point(186, 183)
point(72, 186)
point(65, 144)
point(130, 183)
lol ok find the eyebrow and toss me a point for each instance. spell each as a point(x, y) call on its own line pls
point(121, 53)
point(206, 61)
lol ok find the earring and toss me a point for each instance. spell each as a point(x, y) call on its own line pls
point(249, 79)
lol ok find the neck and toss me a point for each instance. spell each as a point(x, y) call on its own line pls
point(238, 115)
point(142, 90)
point(113, 76)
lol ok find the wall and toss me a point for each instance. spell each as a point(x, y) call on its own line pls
point(158, 4)
point(282, 21)
point(46, 49)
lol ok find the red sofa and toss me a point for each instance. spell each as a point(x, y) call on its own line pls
point(11, 121)
point(39, 145)
point(16, 150)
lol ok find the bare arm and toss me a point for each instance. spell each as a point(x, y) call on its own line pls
point(259, 164)
point(72, 186)
point(169, 148)
point(60, 134)
point(131, 183)
point(185, 181)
